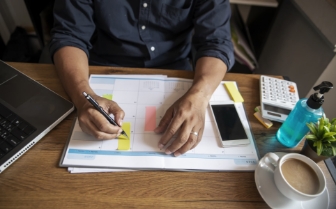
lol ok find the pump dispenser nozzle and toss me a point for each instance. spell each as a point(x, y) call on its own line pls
point(324, 87)
point(316, 100)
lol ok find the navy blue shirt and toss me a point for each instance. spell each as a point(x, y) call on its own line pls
point(144, 33)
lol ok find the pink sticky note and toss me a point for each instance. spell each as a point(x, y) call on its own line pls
point(150, 118)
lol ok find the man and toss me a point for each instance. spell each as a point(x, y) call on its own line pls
point(144, 33)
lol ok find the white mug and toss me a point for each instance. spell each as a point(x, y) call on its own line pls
point(274, 163)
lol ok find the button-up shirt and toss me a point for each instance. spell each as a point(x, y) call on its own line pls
point(144, 33)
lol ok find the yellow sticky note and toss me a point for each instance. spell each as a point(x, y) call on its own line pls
point(233, 91)
point(257, 109)
point(108, 96)
point(262, 120)
point(124, 143)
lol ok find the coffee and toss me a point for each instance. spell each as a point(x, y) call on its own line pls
point(300, 176)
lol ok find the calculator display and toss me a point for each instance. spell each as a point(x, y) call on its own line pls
point(276, 109)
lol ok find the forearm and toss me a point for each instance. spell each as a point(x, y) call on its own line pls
point(73, 70)
point(209, 72)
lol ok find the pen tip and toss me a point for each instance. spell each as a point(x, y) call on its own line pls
point(84, 93)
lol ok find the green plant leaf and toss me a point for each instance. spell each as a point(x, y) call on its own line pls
point(311, 137)
point(330, 139)
point(333, 121)
point(321, 125)
point(327, 152)
point(321, 134)
point(333, 150)
point(321, 129)
point(314, 145)
point(326, 120)
point(312, 128)
point(333, 128)
point(328, 134)
point(319, 147)
point(326, 129)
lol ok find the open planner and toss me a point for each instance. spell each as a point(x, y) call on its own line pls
point(145, 99)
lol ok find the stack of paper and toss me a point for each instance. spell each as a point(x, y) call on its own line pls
point(145, 99)
point(242, 49)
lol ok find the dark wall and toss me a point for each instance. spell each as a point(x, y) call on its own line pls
point(296, 48)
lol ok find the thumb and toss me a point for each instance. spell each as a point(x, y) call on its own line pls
point(114, 109)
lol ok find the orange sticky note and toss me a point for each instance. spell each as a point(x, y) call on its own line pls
point(150, 118)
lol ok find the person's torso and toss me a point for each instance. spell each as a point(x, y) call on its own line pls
point(145, 33)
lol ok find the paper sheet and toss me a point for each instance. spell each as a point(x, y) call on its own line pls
point(144, 100)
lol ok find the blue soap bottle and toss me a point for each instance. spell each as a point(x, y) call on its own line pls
point(305, 111)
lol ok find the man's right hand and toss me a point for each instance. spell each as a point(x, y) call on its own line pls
point(73, 70)
point(94, 123)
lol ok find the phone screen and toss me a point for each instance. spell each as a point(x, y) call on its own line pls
point(229, 125)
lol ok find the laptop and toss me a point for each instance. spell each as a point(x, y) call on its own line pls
point(28, 111)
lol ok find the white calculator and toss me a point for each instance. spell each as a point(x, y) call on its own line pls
point(277, 98)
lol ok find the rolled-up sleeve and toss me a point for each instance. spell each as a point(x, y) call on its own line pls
point(212, 37)
point(73, 25)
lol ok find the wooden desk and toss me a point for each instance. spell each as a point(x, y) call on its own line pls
point(35, 180)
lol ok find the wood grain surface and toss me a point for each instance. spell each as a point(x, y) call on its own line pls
point(36, 181)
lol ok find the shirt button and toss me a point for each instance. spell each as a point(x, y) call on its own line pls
point(144, 5)
point(152, 48)
point(143, 27)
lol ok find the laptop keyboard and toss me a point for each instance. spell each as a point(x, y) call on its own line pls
point(13, 130)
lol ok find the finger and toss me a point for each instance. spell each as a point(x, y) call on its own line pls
point(191, 124)
point(93, 131)
point(165, 121)
point(118, 113)
point(199, 137)
point(185, 140)
point(113, 108)
point(101, 123)
point(171, 130)
point(192, 140)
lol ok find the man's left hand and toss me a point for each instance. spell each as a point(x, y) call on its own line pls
point(185, 119)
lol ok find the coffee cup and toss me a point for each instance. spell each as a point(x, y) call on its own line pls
point(296, 176)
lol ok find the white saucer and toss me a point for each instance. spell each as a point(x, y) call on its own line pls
point(275, 199)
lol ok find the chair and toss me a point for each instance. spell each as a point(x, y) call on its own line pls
point(40, 12)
